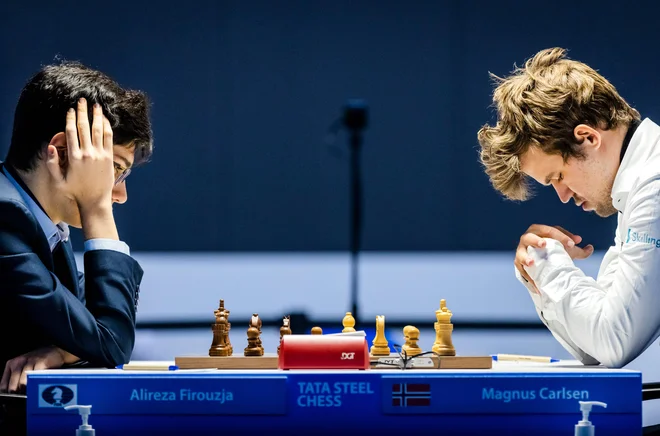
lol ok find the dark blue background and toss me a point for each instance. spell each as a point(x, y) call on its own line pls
point(243, 93)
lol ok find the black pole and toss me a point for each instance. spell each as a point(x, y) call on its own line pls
point(356, 219)
point(355, 120)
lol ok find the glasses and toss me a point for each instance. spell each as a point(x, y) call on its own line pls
point(121, 173)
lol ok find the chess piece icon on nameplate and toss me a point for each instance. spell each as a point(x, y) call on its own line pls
point(284, 330)
point(380, 346)
point(253, 348)
point(443, 345)
point(349, 323)
point(317, 331)
point(220, 345)
point(411, 336)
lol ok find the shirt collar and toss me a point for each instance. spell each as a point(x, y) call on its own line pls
point(635, 151)
point(54, 233)
point(632, 128)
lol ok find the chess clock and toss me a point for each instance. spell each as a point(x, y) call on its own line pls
point(323, 352)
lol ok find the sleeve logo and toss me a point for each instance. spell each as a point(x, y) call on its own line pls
point(643, 238)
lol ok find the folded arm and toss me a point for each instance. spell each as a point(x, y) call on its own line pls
point(102, 330)
point(557, 329)
point(614, 318)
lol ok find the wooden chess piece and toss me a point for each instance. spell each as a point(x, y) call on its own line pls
point(253, 348)
point(220, 337)
point(221, 308)
point(349, 323)
point(411, 335)
point(217, 335)
point(284, 330)
point(380, 346)
point(443, 345)
point(317, 331)
point(255, 322)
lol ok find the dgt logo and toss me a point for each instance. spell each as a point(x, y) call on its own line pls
point(347, 356)
point(57, 395)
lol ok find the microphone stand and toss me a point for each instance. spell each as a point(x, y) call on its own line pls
point(355, 120)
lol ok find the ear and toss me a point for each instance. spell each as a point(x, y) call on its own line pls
point(56, 156)
point(587, 136)
point(58, 140)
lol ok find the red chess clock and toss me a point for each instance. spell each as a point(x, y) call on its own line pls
point(324, 352)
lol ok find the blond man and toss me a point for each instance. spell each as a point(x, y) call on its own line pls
point(562, 124)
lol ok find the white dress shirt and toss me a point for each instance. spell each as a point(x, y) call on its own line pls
point(613, 318)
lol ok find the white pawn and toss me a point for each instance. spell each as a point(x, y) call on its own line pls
point(348, 323)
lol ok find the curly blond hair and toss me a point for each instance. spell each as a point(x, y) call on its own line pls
point(540, 105)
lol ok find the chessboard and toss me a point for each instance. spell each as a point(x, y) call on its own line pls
point(267, 361)
point(221, 354)
point(270, 361)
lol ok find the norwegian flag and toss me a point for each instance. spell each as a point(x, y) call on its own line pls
point(411, 395)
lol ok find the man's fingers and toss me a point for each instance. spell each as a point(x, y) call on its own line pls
point(22, 381)
point(4, 383)
point(577, 239)
point(522, 258)
point(552, 233)
point(107, 136)
point(82, 122)
point(98, 126)
point(562, 237)
point(587, 251)
point(72, 143)
point(31, 365)
point(535, 237)
point(16, 372)
point(40, 364)
point(525, 276)
point(583, 253)
point(531, 239)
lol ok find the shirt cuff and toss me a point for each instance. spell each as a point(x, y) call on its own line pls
point(107, 244)
point(528, 285)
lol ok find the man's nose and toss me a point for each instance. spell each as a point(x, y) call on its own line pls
point(119, 193)
point(564, 193)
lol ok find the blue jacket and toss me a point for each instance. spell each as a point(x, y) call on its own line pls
point(45, 301)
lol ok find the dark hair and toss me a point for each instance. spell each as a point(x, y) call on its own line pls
point(41, 111)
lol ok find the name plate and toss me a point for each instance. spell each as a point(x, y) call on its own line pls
point(166, 395)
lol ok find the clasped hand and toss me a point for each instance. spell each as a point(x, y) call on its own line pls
point(534, 237)
point(14, 377)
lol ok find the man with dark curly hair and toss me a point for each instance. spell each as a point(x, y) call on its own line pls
point(75, 138)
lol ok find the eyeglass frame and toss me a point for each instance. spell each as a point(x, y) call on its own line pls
point(123, 173)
